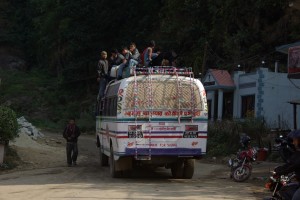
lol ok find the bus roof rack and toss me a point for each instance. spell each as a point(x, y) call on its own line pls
point(167, 70)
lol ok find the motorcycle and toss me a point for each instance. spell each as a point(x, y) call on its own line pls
point(282, 187)
point(241, 165)
point(284, 146)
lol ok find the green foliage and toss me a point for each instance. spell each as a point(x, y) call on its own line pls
point(257, 129)
point(8, 124)
point(37, 96)
point(65, 37)
point(61, 40)
point(224, 136)
point(86, 123)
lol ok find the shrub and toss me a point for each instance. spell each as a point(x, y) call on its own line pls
point(86, 123)
point(223, 138)
point(8, 124)
point(257, 129)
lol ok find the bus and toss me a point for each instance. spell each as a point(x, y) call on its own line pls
point(157, 117)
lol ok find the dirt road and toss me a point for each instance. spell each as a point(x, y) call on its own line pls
point(44, 175)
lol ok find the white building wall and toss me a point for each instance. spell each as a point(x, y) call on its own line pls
point(278, 90)
point(272, 92)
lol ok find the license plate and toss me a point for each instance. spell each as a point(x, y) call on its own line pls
point(135, 134)
point(190, 134)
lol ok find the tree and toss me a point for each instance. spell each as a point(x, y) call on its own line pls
point(8, 124)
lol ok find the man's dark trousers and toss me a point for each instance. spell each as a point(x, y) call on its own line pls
point(72, 152)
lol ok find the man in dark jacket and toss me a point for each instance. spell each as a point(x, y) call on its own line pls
point(71, 134)
point(294, 164)
point(116, 58)
point(103, 74)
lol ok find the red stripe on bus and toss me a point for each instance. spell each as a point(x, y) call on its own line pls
point(161, 136)
point(156, 136)
point(122, 136)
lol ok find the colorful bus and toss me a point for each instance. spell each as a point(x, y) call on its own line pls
point(157, 118)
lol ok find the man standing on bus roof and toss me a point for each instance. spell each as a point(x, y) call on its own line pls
point(103, 74)
point(71, 134)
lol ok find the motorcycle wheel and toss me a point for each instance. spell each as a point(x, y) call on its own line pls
point(241, 174)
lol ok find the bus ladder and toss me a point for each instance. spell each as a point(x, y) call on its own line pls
point(150, 110)
point(179, 94)
point(150, 102)
point(192, 97)
point(135, 96)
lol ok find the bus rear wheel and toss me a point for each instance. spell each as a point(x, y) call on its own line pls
point(188, 169)
point(177, 169)
point(112, 165)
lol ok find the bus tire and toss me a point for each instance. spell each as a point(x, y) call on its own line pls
point(188, 169)
point(112, 165)
point(103, 158)
point(177, 169)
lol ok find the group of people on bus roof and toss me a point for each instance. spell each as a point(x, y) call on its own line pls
point(128, 57)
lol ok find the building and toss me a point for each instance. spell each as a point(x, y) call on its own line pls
point(262, 94)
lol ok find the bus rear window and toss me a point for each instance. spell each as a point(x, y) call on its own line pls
point(166, 95)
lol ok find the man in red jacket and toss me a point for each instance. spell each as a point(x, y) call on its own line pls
point(71, 134)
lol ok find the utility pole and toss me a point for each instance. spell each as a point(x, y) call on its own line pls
point(204, 60)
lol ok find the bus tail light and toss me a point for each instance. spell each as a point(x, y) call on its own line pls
point(191, 127)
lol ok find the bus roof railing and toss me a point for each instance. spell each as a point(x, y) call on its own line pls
point(167, 70)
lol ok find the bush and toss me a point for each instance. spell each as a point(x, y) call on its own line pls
point(86, 123)
point(257, 129)
point(223, 138)
point(8, 124)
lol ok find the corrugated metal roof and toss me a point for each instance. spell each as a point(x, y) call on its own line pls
point(222, 77)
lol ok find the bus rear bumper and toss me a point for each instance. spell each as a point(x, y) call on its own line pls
point(180, 152)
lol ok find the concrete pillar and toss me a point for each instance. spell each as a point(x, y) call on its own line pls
point(2, 146)
point(220, 104)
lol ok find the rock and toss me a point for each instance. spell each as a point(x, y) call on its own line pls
point(28, 129)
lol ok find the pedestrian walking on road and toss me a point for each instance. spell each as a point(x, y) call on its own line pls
point(71, 134)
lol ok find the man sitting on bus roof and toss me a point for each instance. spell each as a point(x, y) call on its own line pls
point(127, 56)
point(116, 59)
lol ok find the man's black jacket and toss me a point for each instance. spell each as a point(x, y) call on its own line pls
point(292, 166)
point(71, 133)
